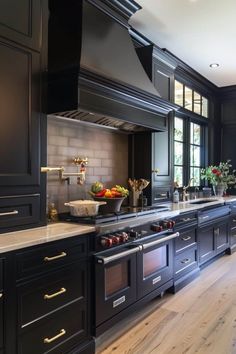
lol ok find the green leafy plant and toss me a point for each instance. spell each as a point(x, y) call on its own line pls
point(220, 174)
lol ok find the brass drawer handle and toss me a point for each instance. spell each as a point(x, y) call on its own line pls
point(186, 260)
point(14, 212)
point(51, 296)
point(61, 255)
point(186, 238)
point(187, 219)
point(50, 340)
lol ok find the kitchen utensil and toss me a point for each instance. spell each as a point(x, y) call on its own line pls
point(84, 207)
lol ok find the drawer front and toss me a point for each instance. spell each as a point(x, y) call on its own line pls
point(160, 194)
point(57, 254)
point(185, 240)
point(185, 262)
point(184, 220)
point(56, 334)
point(19, 211)
point(51, 293)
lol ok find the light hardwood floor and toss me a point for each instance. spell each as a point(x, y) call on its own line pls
point(200, 318)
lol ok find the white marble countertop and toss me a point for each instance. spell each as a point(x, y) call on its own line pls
point(11, 241)
point(188, 206)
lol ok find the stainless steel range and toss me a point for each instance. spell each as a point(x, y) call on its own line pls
point(132, 256)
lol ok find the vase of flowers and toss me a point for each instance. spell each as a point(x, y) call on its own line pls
point(220, 176)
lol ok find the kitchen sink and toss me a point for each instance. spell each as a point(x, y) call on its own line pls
point(203, 201)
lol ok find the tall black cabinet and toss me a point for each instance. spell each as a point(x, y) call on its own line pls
point(23, 125)
point(151, 158)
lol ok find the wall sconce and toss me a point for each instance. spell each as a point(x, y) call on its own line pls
point(81, 164)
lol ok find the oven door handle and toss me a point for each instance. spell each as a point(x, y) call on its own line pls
point(160, 240)
point(106, 260)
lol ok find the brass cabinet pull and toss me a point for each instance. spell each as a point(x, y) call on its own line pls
point(50, 340)
point(187, 219)
point(61, 255)
point(14, 212)
point(51, 296)
point(186, 260)
point(186, 238)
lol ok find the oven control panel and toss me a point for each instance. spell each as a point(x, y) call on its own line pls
point(121, 237)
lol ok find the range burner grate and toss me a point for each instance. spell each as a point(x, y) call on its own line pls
point(124, 213)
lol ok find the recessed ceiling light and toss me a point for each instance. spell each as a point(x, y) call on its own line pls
point(214, 65)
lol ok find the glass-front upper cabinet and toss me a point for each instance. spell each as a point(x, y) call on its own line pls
point(190, 99)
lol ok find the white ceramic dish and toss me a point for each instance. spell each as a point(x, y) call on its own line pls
point(84, 207)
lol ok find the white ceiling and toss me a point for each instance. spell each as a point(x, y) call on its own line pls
point(199, 32)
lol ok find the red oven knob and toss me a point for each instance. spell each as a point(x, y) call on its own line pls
point(169, 224)
point(123, 236)
point(115, 239)
point(156, 228)
point(164, 224)
point(106, 241)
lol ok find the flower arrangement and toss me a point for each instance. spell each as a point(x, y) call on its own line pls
point(220, 174)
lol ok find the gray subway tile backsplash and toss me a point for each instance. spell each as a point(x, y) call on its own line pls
point(107, 153)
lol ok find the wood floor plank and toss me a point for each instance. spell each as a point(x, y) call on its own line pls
point(201, 318)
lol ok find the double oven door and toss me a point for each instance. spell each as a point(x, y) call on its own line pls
point(115, 281)
point(155, 263)
point(126, 274)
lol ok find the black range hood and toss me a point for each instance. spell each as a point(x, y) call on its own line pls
point(93, 65)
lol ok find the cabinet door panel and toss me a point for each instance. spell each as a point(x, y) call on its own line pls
point(222, 239)
point(206, 244)
point(161, 157)
point(19, 107)
point(163, 80)
point(20, 22)
point(233, 230)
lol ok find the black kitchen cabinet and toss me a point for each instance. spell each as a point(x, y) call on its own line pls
point(213, 240)
point(232, 228)
point(229, 145)
point(48, 299)
point(233, 232)
point(1, 304)
point(163, 79)
point(151, 158)
point(20, 22)
point(228, 127)
point(206, 243)
point(185, 250)
point(20, 116)
point(221, 235)
point(23, 125)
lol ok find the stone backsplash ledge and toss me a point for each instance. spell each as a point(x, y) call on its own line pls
point(107, 152)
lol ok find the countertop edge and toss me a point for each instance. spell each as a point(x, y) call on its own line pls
point(17, 240)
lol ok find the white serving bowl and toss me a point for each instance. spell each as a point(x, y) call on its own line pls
point(84, 207)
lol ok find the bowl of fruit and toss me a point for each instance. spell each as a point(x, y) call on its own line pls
point(113, 197)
